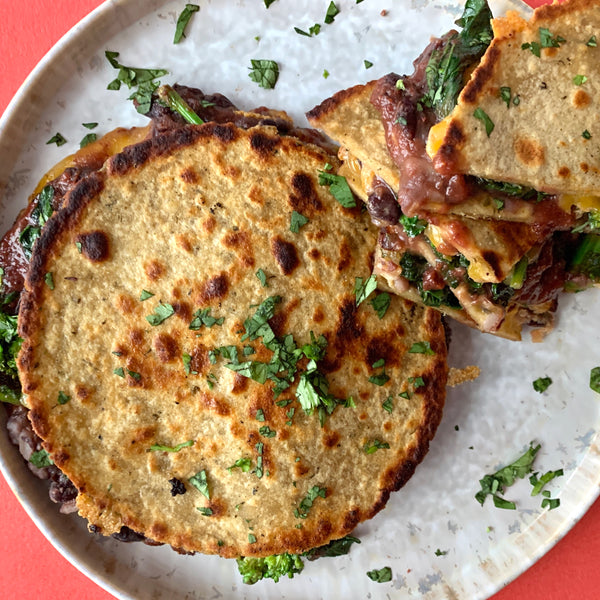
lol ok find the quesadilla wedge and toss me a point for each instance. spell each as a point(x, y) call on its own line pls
point(475, 270)
point(203, 367)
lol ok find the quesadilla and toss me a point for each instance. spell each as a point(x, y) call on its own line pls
point(197, 356)
point(479, 271)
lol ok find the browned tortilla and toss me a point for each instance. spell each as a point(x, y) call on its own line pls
point(191, 217)
point(546, 136)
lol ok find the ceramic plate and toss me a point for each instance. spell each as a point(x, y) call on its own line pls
point(438, 540)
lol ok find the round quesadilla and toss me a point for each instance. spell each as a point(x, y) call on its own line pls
point(205, 355)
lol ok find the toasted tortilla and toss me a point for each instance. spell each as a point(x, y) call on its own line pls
point(546, 134)
point(148, 414)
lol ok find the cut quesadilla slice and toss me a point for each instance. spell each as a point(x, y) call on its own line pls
point(479, 264)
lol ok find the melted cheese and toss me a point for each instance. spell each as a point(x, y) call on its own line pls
point(584, 203)
point(106, 146)
point(436, 136)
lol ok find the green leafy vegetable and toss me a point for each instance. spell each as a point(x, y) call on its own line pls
point(306, 504)
point(142, 79)
point(494, 484)
point(8, 395)
point(363, 289)
point(339, 188)
point(245, 464)
point(541, 384)
point(203, 318)
point(260, 274)
point(421, 348)
point(381, 303)
point(63, 398)
point(586, 259)
point(200, 482)
point(334, 548)
point(271, 567)
point(57, 139)
point(297, 221)
point(183, 20)
point(161, 448)
point(595, 379)
point(413, 226)
point(480, 114)
point(372, 447)
point(40, 459)
point(87, 139)
point(264, 72)
point(169, 97)
point(332, 12)
point(382, 575)
point(539, 483)
point(161, 313)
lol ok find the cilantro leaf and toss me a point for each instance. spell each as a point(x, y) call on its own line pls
point(297, 221)
point(57, 139)
point(382, 575)
point(264, 72)
point(332, 12)
point(372, 447)
point(87, 139)
point(161, 312)
point(362, 290)
point(541, 384)
point(413, 226)
point(421, 348)
point(339, 188)
point(381, 303)
point(245, 464)
point(200, 482)
point(260, 274)
point(161, 448)
point(183, 20)
point(306, 504)
point(203, 318)
point(595, 379)
point(480, 114)
point(40, 459)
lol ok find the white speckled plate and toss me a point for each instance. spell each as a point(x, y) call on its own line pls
point(486, 423)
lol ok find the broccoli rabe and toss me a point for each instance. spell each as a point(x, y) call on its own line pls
point(270, 567)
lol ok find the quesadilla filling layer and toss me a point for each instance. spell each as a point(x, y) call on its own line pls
point(492, 254)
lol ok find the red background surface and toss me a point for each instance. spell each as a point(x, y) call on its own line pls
point(31, 567)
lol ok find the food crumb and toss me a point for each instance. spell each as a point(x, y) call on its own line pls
point(459, 376)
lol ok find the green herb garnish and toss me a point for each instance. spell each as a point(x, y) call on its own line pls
point(40, 459)
point(297, 221)
point(579, 79)
point(161, 313)
point(245, 464)
point(203, 318)
point(169, 97)
point(595, 379)
point(413, 226)
point(372, 447)
point(363, 289)
point(183, 20)
point(339, 188)
point(306, 504)
point(421, 348)
point(332, 12)
point(161, 448)
point(63, 398)
point(380, 304)
point(87, 139)
point(382, 575)
point(145, 295)
point(264, 72)
point(541, 384)
point(57, 139)
point(260, 274)
point(480, 114)
point(200, 482)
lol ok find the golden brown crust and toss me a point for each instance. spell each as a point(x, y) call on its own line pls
point(195, 241)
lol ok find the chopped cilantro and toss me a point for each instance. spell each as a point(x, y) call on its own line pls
point(202, 317)
point(439, 552)
point(382, 575)
point(372, 447)
point(325, 73)
point(259, 460)
point(90, 125)
point(534, 47)
point(161, 448)
point(586, 134)
point(579, 79)
point(362, 290)
point(332, 12)
point(205, 510)
point(417, 382)
point(541, 384)
point(381, 378)
point(183, 20)
point(142, 79)
point(547, 40)
point(480, 114)
point(297, 221)
point(63, 398)
point(251, 538)
point(187, 364)
point(40, 459)
point(413, 225)
point(421, 348)
point(339, 188)
point(264, 72)
point(161, 313)
point(49, 280)
point(200, 482)
point(505, 95)
point(388, 404)
point(87, 139)
point(145, 295)
point(306, 504)
point(595, 379)
point(268, 3)
point(262, 278)
point(119, 371)
point(380, 304)
point(57, 139)
point(260, 415)
point(539, 483)
point(314, 30)
point(592, 43)
point(494, 484)
point(245, 464)
point(134, 375)
point(368, 64)
point(266, 431)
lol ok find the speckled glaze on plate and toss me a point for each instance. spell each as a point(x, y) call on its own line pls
point(438, 540)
